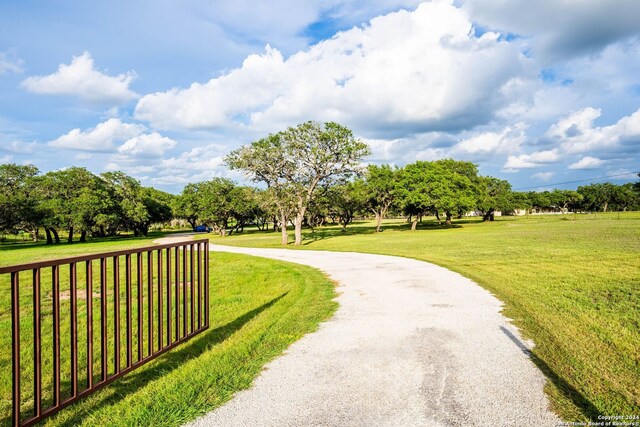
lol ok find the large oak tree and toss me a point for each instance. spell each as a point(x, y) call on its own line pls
point(295, 162)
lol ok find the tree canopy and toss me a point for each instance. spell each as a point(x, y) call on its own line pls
point(312, 172)
point(382, 188)
point(76, 200)
point(294, 162)
point(444, 186)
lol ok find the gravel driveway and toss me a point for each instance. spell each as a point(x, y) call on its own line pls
point(411, 344)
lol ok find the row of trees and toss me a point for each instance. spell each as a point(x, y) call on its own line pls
point(77, 201)
point(309, 173)
point(222, 205)
point(444, 188)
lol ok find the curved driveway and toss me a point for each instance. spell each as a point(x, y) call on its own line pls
point(411, 344)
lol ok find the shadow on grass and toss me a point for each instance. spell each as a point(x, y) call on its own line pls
point(90, 241)
point(171, 360)
point(583, 404)
point(333, 231)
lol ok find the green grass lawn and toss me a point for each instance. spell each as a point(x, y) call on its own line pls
point(258, 308)
point(569, 282)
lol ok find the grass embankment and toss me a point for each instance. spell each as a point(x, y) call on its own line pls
point(571, 283)
point(258, 308)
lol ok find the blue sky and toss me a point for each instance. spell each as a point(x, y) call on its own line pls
point(534, 92)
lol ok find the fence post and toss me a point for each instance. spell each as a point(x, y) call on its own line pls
point(15, 343)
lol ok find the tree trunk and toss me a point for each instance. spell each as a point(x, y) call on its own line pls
point(345, 220)
point(488, 216)
point(283, 229)
point(70, 238)
point(414, 223)
point(83, 236)
point(448, 221)
point(298, 227)
point(235, 229)
point(606, 204)
point(48, 233)
point(378, 221)
point(56, 238)
point(438, 216)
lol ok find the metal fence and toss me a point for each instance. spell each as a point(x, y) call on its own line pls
point(64, 347)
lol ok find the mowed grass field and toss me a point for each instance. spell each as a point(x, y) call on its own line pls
point(258, 307)
point(569, 282)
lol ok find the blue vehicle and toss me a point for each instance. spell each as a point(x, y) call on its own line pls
point(202, 229)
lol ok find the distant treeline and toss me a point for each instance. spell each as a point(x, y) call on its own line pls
point(443, 188)
point(77, 201)
point(81, 203)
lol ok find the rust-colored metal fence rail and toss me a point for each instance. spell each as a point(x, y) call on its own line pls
point(65, 347)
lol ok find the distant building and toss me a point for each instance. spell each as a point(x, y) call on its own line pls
point(478, 213)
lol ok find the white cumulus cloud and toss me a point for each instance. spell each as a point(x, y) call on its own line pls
point(577, 133)
point(205, 158)
point(532, 160)
point(103, 137)
point(81, 79)
point(147, 145)
point(587, 162)
point(405, 72)
point(197, 164)
point(509, 140)
point(212, 104)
